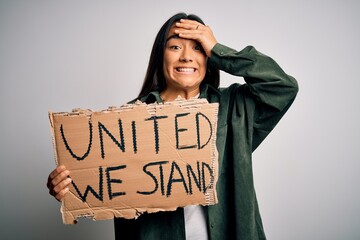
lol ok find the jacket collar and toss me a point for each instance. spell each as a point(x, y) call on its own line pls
point(206, 91)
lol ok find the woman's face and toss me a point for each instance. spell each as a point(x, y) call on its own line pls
point(184, 63)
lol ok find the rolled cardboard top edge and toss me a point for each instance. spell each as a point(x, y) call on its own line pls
point(191, 103)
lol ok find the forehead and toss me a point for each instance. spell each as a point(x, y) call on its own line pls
point(171, 31)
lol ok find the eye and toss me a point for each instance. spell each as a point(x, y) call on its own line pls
point(174, 47)
point(198, 47)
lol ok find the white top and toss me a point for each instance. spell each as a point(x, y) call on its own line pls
point(195, 223)
point(195, 220)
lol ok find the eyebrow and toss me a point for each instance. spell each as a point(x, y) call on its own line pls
point(173, 36)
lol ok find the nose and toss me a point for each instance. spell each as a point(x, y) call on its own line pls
point(186, 55)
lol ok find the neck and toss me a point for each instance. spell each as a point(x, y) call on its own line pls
point(168, 95)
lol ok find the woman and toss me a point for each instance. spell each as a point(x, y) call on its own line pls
point(185, 60)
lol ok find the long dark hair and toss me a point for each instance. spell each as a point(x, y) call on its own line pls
point(154, 78)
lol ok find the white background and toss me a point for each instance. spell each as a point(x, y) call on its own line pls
point(59, 55)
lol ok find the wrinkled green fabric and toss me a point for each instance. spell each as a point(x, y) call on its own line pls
point(247, 114)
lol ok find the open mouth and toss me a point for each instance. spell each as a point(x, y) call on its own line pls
point(185, 69)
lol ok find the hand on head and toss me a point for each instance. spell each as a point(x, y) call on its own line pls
point(58, 182)
point(190, 29)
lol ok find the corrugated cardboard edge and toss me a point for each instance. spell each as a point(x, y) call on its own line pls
point(97, 214)
point(211, 196)
point(51, 118)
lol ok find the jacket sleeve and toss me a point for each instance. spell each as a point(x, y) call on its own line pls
point(272, 91)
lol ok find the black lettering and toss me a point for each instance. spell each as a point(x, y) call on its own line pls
point(68, 147)
point(133, 127)
point(198, 129)
point(177, 130)
point(204, 178)
point(112, 180)
point(99, 195)
point(154, 178)
point(171, 179)
point(156, 130)
point(120, 144)
point(190, 173)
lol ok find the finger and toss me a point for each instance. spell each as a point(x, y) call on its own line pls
point(189, 35)
point(189, 24)
point(59, 178)
point(197, 35)
point(56, 171)
point(53, 174)
point(198, 32)
point(60, 196)
point(61, 186)
point(188, 32)
point(189, 21)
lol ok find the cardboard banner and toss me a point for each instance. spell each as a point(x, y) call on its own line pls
point(137, 158)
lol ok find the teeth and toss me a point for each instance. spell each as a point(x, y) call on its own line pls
point(185, 69)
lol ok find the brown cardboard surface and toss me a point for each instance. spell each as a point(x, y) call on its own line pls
point(137, 158)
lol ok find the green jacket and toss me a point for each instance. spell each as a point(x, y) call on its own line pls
point(247, 114)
